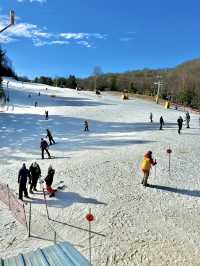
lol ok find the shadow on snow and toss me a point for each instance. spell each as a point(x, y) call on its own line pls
point(66, 199)
point(193, 193)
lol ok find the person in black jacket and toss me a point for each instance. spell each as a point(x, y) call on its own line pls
point(161, 123)
point(35, 173)
point(22, 181)
point(180, 124)
point(187, 118)
point(44, 147)
point(51, 140)
point(46, 114)
point(86, 125)
point(49, 180)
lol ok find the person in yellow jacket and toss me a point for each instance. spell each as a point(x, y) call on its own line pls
point(146, 167)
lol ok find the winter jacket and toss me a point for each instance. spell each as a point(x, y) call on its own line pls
point(44, 144)
point(180, 121)
point(49, 134)
point(23, 175)
point(35, 171)
point(147, 162)
point(161, 120)
point(187, 117)
point(49, 178)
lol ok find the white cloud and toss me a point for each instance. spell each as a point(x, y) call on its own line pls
point(126, 39)
point(41, 37)
point(39, 43)
point(85, 43)
point(40, 1)
point(75, 36)
point(82, 35)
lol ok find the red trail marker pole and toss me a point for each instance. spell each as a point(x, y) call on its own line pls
point(169, 151)
point(89, 217)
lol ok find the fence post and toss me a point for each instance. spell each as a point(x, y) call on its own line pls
point(8, 189)
point(46, 204)
point(29, 222)
point(54, 237)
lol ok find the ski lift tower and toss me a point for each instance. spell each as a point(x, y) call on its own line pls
point(160, 84)
point(12, 21)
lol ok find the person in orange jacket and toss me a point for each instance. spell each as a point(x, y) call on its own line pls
point(146, 167)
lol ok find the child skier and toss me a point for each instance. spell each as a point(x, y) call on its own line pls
point(146, 166)
point(49, 180)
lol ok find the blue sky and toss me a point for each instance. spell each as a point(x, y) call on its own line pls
point(62, 37)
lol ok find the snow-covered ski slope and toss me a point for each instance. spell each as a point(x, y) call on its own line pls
point(101, 169)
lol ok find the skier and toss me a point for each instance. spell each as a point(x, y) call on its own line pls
point(35, 173)
point(151, 117)
point(86, 126)
point(187, 118)
point(22, 181)
point(38, 93)
point(44, 147)
point(161, 123)
point(180, 124)
point(50, 137)
point(146, 166)
point(46, 114)
point(49, 180)
point(36, 104)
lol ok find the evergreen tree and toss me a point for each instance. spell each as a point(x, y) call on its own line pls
point(71, 82)
point(113, 84)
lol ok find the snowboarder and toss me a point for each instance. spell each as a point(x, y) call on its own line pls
point(23, 175)
point(146, 166)
point(151, 118)
point(187, 118)
point(35, 173)
point(161, 123)
point(180, 124)
point(49, 180)
point(46, 114)
point(36, 104)
point(86, 126)
point(44, 147)
point(49, 135)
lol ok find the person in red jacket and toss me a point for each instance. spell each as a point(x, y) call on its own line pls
point(146, 167)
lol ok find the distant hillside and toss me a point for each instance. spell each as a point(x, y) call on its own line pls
point(181, 83)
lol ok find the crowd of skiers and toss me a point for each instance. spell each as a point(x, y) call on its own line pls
point(179, 121)
point(31, 176)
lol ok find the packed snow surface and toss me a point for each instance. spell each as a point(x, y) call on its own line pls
point(156, 225)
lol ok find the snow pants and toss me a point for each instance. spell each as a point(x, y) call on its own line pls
point(34, 182)
point(145, 178)
point(51, 140)
point(179, 129)
point(22, 189)
point(46, 152)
